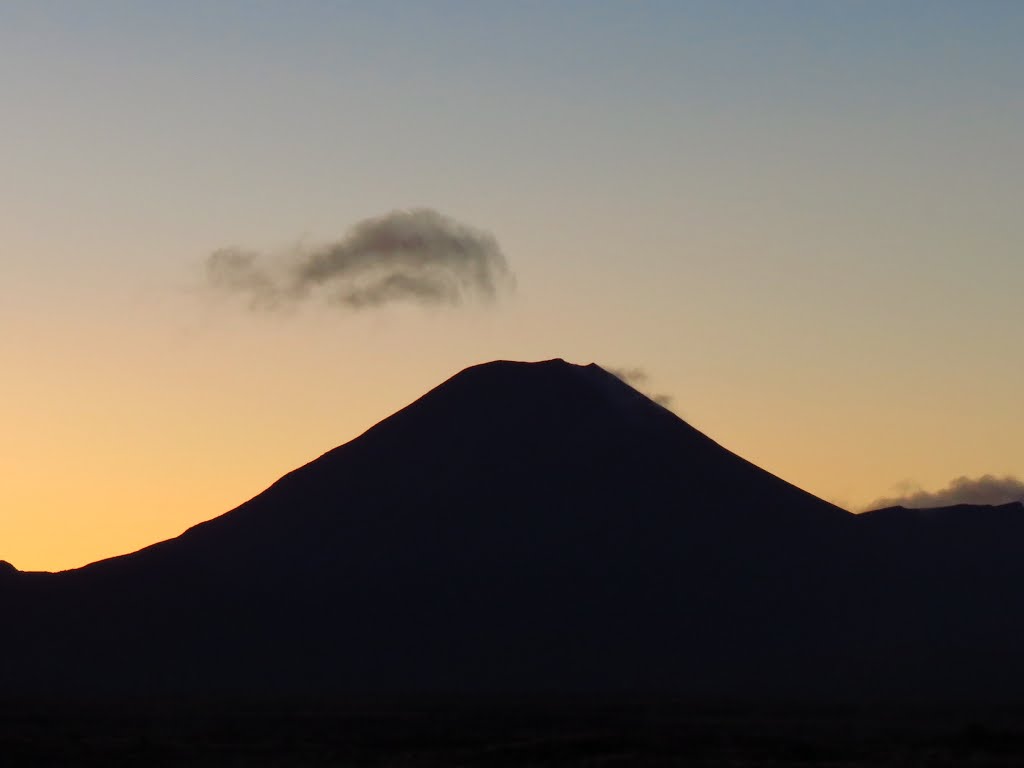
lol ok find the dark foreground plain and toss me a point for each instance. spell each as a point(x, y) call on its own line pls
point(449, 732)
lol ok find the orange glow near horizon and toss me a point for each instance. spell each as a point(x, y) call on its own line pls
point(122, 477)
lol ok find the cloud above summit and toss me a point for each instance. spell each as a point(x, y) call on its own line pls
point(987, 489)
point(638, 379)
point(410, 256)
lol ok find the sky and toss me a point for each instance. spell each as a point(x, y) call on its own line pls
point(800, 220)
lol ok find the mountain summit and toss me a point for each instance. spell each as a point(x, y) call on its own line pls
point(523, 527)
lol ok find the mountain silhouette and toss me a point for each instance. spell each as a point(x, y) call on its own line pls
point(537, 528)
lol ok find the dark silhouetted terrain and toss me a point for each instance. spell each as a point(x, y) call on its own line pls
point(511, 734)
point(536, 530)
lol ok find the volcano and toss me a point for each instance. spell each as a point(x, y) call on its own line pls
point(532, 528)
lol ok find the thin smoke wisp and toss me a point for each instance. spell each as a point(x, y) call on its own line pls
point(638, 379)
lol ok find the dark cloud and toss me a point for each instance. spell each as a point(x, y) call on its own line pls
point(987, 489)
point(416, 256)
point(638, 379)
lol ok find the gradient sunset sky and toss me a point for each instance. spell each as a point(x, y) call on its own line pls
point(802, 220)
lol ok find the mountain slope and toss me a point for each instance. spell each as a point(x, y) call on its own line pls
point(522, 527)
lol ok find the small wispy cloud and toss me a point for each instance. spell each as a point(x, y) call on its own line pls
point(638, 379)
point(987, 489)
point(417, 256)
